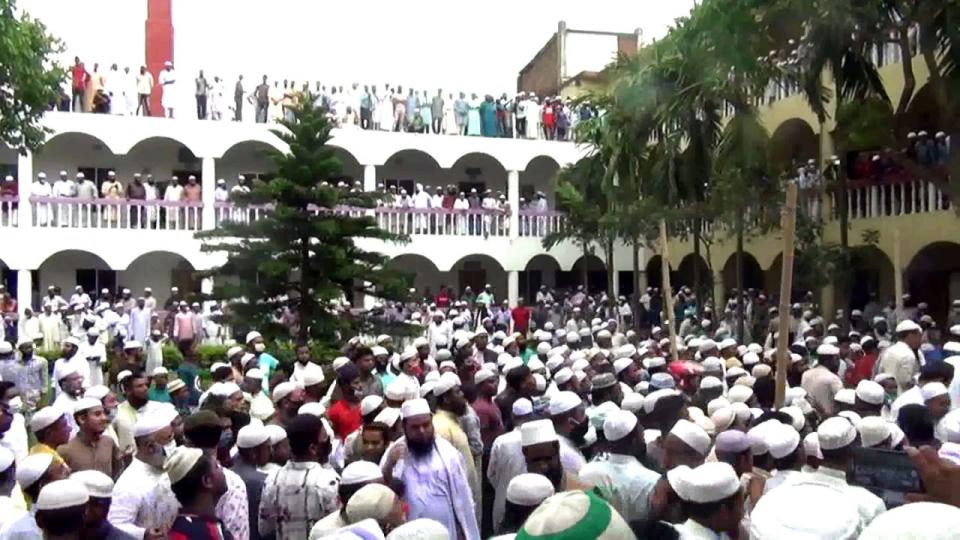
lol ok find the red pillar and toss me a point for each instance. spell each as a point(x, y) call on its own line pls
point(158, 45)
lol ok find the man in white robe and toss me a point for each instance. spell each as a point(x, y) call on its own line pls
point(42, 188)
point(506, 459)
point(421, 202)
point(71, 361)
point(139, 324)
point(50, 326)
point(168, 83)
point(95, 353)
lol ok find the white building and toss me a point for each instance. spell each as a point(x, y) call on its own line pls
point(104, 245)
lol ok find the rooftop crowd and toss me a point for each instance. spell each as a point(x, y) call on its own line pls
point(567, 418)
point(371, 107)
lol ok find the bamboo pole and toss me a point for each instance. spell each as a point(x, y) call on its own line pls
point(667, 290)
point(897, 274)
point(789, 222)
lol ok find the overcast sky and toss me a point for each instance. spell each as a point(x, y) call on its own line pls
point(424, 43)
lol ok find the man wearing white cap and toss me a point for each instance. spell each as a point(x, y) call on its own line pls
point(135, 407)
point(143, 505)
point(60, 509)
point(543, 455)
point(90, 450)
point(837, 437)
point(198, 482)
point(95, 353)
point(576, 514)
point(100, 488)
point(904, 358)
point(822, 382)
point(622, 479)
point(70, 361)
point(506, 458)
point(805, 511)
point(712, 498)
point(253, 452)
point(70, 383)
point(570, 422)
point(686, 444)
point(434, 462)
point(259, 404)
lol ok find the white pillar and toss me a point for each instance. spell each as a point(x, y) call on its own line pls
point(206, 288)
point(369, 178)
point(513, 197)
point(616, 284)
point(24, 290)
point(24, 181)
point(513, 286)
point(209, 172)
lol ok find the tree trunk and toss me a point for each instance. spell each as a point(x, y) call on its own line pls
point(909, 80)
point(697, 224)
point(611, 271)
point(635, 297)
point(305, 285)
point(586, 268)
point(841, 184)
point(740, 322)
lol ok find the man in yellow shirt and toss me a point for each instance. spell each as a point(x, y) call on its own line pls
point(51, 428)
point(451, 405)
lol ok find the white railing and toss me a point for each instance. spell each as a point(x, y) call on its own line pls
point(540, 224)
point(226, 212)
point(51, 212)
point(865, 201)
point(443, 222)
point(8, 210)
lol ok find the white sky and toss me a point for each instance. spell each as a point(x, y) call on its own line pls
point(424, 43)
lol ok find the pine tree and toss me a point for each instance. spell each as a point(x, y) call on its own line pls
point(302, 252)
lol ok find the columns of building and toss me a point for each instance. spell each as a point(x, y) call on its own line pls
point(513, 286)
point(24, 290)
point(158, 45)
point(24, 181)
point(369, 178)
point(209, 180)
point(513, 197)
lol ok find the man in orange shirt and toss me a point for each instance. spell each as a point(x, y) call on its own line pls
point(345, 415)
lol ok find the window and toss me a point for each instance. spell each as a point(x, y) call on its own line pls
point(465, 187)
point(93, 280)
point(97, 174)
point(399, 184)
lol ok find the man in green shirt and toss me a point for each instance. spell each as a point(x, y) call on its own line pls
point(158, 390)
point(486, 298)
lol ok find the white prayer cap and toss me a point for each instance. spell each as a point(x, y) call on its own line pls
point(447, 382)
point(85, 404)
point(741, 411)
point(604, 334)
point(254, 373)
point(563, 402)
point(733, 441)
point(761, 370)
point(642, 387)
point(6, 458)
point(746, 380)
point(283, 390)
point(529, 489)
point(276, 433)
point(618, 424)
point(583, 332)
point(369, 404)
point(827, 349)
point(312, 374)
point(621, 364)
point(543, 347)
point(932, 390)
point(712, 363)
point(831, 340)
point(372, 501)
point(915, 521)
point(251, 436)
point(653, 397)
point(632, 402)
point(252, 335)
point(151, 423)
point(379, 351)
point(224, 389)
point(952, 347)
point(555, 362)
point(728, 342)
point(739, 393)
point(662, 380)
point(880, 377)
point(314, 408)
point(735, 372)
point(873, 431)
point(388, 416)
point(536, 432)
point(572, 337)
point(235, 350)
point(44, 418)
point(710, 482)
point(870, 392)
point(181, 462)
point(723, 418)
point(823, 512)
point(951, 426)
point(626, 351)
point(580, 365)
point(693, 435)
point(716, 404)
point(32, 468)
point(836, 432)
point(338, 363)
point(522, 407)
point(448, 364)
point(709, 382)
point(419, 529)
point(811, 445)
point(398, 390)
point(62, 494)
point(408, 353)
point(847, 396)
point(361, 472)
point(483, 375)
point(654, 362)
point(414, 407)
point(98, 484)
point(781, 440)
point(570, 513)
point(797, 419)
point(750, 359)
point(908, 326)
point(535, 364)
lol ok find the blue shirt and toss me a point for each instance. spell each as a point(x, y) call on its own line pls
point(267, 364)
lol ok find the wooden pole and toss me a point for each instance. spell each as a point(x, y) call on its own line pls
point(789, 223)
point(897, 275)
point(667, 290)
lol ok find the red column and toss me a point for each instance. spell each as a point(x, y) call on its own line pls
point(158, 44)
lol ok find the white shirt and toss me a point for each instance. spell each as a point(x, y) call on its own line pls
point(221, 194)
point(624, 482)
point(173, 193)
point(76, 361)
point(506, 462)
point(902, 362)
point(303, 493)
point(461, 204)
point(570, 456)
point(41, 189)
point(691, 530)
point(912, 396)
point(868, 504)
point(421, 199)
point(142, 500)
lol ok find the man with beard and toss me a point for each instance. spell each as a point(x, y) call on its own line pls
point(381, 360)
point(253, 452)
point(71, 388)
point(70, 359)
point(433, 473)
point(542, 454)
point(95, 353)
point(484, 355)
point(90, 450)
point(198, 482)
point(451, 405)
point(520, 384)
point(570, 423)
point(506, 458)
point(303, 491)
point(287, 398)
point(136, 406)
point(622, 479)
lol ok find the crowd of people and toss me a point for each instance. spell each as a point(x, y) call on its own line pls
point(370, 107)
point(574, 417)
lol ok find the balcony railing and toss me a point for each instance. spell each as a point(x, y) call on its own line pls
point(868, 200)
point(9, 205)
point(443, 222)
point(50, 212)
point(538, 224)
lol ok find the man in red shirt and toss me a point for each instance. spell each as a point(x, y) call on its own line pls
point(79, 78)
point(521, 317)
point(345, 415)
point(863, 366)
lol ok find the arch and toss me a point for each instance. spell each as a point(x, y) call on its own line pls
point(871, 277)
point(792, 144)
point(544, 161)
point(406, 168)
point(933, 276)
point(140, 145)
point(923, 114)
point(419, 272)
point(406, 155)
point(350, 166)
point(160, 270)
point(65, 136)
point(753, 277)
point(256, 137)
point(540, 174)
point(70, 267)
point(476, 169)
point(596, 272)
point(774, 275)
point(685, 272)
point(259, 148)
point(477, 270)
point(249, 158)
point(654, 272)
point(541, 269)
